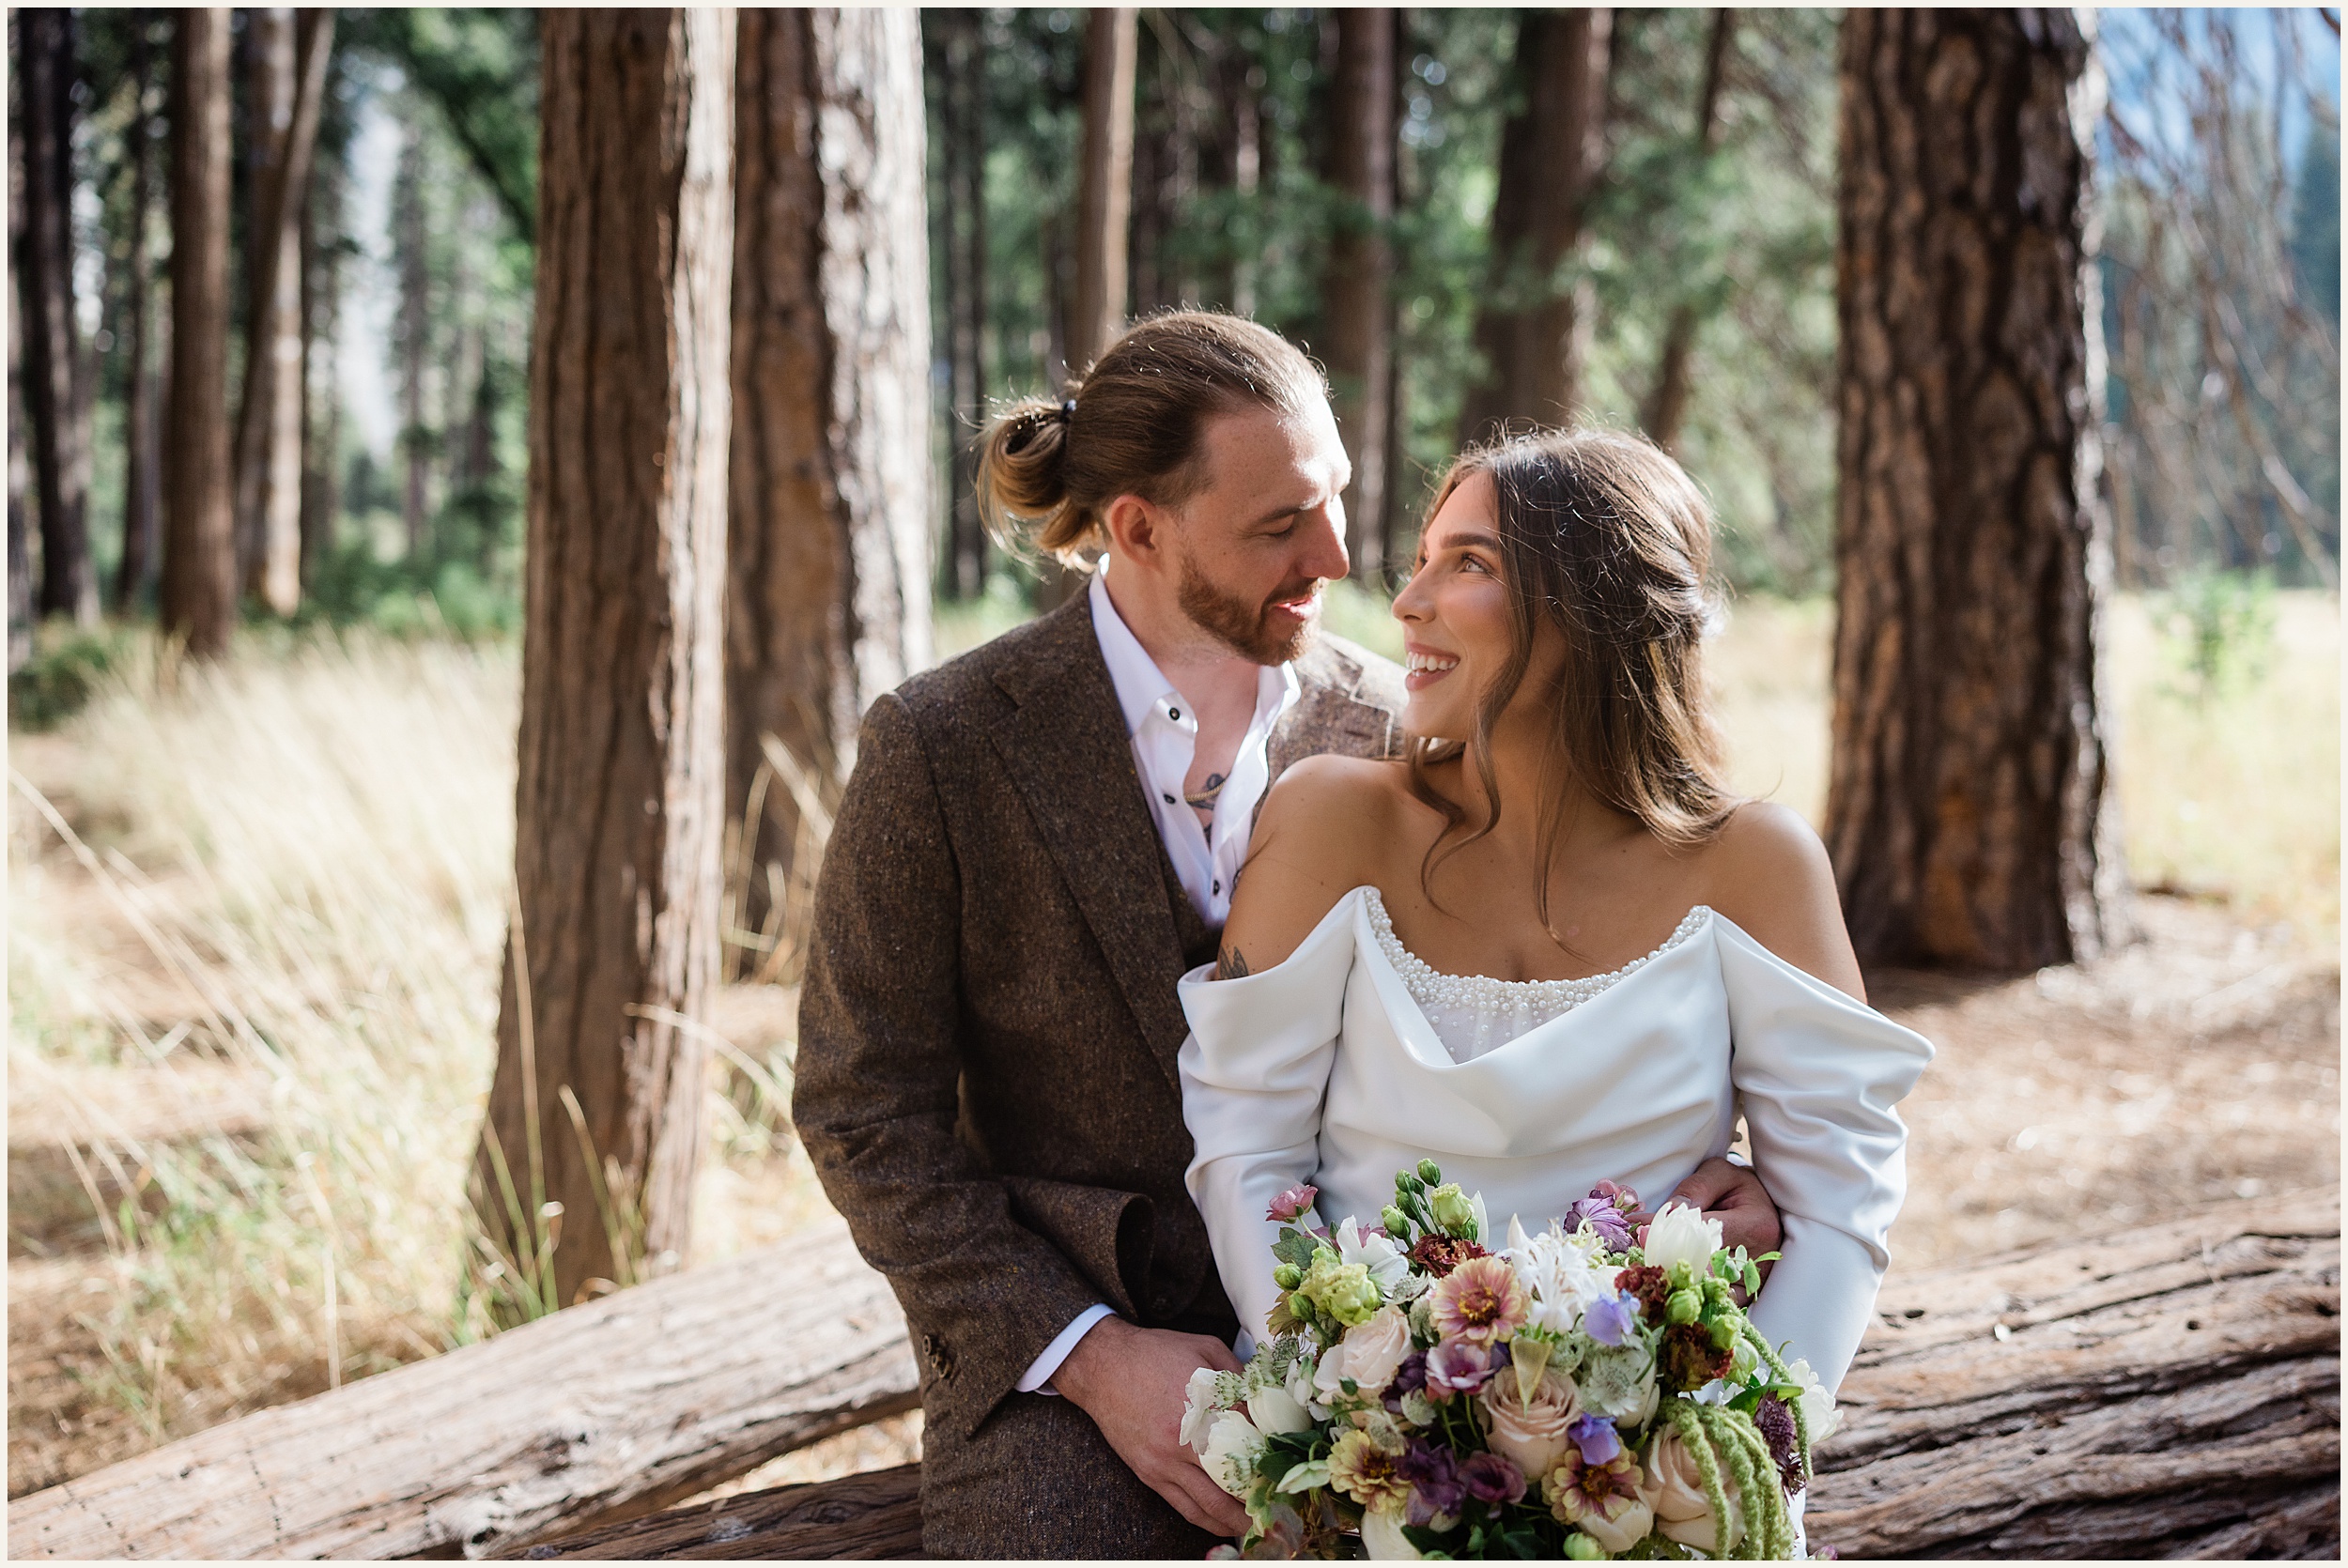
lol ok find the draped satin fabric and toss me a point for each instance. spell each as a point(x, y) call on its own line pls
point(1324, 1068)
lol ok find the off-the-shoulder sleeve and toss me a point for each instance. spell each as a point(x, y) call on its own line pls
point(1254, 1070)
point(1818, 1075)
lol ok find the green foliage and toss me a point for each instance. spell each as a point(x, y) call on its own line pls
point(479, 67)
point(2219, 628)
point(67, 669)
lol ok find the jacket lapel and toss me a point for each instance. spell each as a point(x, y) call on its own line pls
point(1068, 754)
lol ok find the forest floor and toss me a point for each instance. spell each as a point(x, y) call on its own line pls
point(2198, 1063)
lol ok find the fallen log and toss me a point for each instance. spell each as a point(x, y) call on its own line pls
point(2171, 1390)
point(876, 1514)
point(611, 1409)
point(2167, 1392)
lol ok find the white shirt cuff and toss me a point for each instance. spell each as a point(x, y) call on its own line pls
point(1039, 1376)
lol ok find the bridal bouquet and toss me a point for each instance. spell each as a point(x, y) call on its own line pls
point(1583, 1392)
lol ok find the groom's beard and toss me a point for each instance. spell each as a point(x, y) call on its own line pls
point(1245, 627)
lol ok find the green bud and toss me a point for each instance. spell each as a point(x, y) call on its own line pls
point(1407, 1184)
point(1682, 1276)
point(1581, 1549)
point(1685, 1306)
point(1724, 1333)
point(1288, 1276)
point(1301, 1305)
point(1429, 1173)
point(1395, 1221)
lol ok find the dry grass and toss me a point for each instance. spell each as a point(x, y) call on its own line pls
point(296, 878)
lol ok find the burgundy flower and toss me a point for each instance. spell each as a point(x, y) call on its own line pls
point(1439, 1254)
point(1435, 1479)
point(1458, 1366)
point(1775, 1424)
point(1648, 1284)
point(1689, 1359)
point(1492, 1478)
point(1409, 1377)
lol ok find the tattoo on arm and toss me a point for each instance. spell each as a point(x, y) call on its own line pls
point(1232, 965)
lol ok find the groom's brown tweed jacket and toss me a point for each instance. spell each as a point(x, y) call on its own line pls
point(987, 1037)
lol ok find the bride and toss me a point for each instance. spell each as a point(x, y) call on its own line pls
point(1550, 948)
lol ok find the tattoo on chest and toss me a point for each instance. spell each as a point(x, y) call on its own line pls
point(1204, 797)
point(1231, 965)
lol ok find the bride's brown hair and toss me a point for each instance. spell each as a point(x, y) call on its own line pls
point(1606, 539)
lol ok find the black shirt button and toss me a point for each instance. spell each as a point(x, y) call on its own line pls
point(1170, 800)
point(1174, 714)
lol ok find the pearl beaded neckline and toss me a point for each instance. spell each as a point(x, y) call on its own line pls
point(1431, 988)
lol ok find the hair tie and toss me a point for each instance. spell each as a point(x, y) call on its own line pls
point(1068, 411)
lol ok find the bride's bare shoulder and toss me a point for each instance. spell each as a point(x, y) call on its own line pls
point(1767, 871)
point(1322, 828)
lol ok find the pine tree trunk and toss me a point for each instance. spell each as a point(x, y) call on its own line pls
point(322, 404)
point(199, 579)
point(1968, 810)
point(1105, 202)
point(411, 329)
point(288, 85)
point(1534, 327)
point(55, 376)
point(1669, 404)
point(19, 541)
point(966, 269)
point(140, 476)
point(598, 1100)
point(1355, 289)
point(829, 551)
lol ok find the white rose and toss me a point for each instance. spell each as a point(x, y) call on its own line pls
point(1275, 1410)
point(1233, 1449)
point(1370, 1354)
point(1382, 1539)
point(1818, 1412)
point(1681, 1234)
point(1681, 1511)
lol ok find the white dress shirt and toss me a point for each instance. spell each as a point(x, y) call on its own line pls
point(1164, 735)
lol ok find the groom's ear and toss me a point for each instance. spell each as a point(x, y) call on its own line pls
point(1137, 527)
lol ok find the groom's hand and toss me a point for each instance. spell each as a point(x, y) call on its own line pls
point(1134, 1383)
point(1734, 1196)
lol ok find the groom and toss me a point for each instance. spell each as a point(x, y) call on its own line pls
point(1038, 838)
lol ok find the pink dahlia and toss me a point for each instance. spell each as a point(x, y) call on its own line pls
point(1480, 1301)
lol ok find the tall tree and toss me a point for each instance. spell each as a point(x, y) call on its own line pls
point(290, 84)
point(200, 580)
point(828, 536)
point(1668, 405)
point(1968, 811)
point(596, 1104)
point(411, 331)
point(1105, 198)
point(1356, 287)
point(142, 477)
point(1533, 328)
point(962, 228)
point(20, 543)
point(55, 376)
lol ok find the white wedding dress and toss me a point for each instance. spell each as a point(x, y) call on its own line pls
point(1353, 1060)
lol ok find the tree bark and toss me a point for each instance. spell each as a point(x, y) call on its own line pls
point(1533, 326)
point(1356, 286)
point(19, 541)
point(55, 375)
point(829, 508)
point(596, 1104)
point(141, 478)
point(1106, 201)
point(321, 407)
point(289, 87)
point(965, 271)
point(1968, 809)
point(199, 583)
point(1669, 404)
point(411, 329)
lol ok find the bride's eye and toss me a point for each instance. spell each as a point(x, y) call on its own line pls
point(1475, 563)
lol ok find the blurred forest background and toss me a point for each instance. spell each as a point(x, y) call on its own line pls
point(269, 892)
